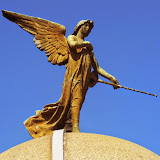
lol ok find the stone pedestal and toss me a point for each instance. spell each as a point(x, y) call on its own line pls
point(80, 146)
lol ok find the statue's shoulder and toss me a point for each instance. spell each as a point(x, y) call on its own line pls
point(71, 37)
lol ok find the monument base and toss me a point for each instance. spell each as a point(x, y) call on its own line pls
point(79, 146)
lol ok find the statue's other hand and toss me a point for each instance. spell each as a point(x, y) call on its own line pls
point(115, 81)
point(89, 45)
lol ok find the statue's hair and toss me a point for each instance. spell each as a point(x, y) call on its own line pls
point(80, 24)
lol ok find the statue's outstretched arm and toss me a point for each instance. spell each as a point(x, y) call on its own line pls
point(102, 72)
point(75, 44)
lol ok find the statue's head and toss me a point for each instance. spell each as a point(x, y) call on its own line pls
point(85, 26)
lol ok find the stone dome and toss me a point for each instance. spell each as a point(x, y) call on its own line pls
point(80, 146)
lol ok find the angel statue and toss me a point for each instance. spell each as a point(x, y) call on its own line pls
point(78, 57)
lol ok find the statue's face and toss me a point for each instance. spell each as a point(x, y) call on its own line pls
point(86, 29)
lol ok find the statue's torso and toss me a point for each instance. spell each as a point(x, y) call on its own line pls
point(79, 68)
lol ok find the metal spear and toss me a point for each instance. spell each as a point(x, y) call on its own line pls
point(101, 81)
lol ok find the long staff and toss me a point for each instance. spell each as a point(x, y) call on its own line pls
point(101, 81)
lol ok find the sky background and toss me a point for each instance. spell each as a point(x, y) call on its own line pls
point(126, 41)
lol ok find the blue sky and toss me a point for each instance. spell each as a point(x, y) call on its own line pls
point(126, 41)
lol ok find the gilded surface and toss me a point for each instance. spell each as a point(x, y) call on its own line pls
point(77, 54)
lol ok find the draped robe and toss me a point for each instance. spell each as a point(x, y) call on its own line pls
point(75, 85)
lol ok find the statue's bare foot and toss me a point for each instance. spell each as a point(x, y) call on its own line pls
point(75, 129)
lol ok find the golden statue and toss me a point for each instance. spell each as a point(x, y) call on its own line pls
point(78, 57)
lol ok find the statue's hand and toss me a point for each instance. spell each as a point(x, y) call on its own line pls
point(89, 45)
point(115, 81)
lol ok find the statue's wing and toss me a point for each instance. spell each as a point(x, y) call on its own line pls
point(49, 36)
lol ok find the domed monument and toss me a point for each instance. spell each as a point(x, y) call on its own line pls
point(56, 127)
point(80, 146)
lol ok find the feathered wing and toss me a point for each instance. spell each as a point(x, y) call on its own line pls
point(49, 36)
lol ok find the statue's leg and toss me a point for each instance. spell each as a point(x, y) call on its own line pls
point(75, 112)
point(68, 125)
point(72, 123)
point(76, 104)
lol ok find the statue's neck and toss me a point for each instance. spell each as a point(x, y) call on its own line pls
point(80, 36)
